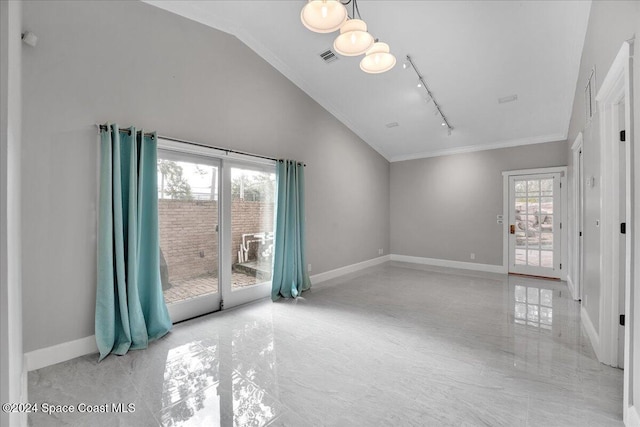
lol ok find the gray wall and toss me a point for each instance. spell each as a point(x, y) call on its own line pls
point(445, 207)
point(610, 24)
point(11, 385)
point(131, 63)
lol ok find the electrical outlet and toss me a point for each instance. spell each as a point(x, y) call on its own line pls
point(380, 251)
point(309, 268)
point(473, 256)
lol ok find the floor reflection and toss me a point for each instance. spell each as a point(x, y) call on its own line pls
point(219, 385)
point(191, 377)
point(533, 306)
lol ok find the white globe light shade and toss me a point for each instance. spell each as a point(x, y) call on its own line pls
point(353, 39)
point(323, 16)
point(378, 59)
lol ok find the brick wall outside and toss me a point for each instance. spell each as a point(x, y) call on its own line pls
point(188, 239)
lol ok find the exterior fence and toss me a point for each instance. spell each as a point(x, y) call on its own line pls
point(189, 237)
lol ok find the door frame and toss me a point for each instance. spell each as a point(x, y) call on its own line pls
point(576, 250)
point(201, 305)
point(506, 175)
point(227, 160)
point(617, 85)
point(231, 298)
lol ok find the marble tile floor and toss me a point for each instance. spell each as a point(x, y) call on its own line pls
point(393, 345)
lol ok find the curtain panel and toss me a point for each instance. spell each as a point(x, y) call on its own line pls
point(290, 275)
point(130, 307)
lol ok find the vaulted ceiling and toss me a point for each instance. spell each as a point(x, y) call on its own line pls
point(471, 53)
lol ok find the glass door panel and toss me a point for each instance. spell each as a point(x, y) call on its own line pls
point(188, 217)
point(250, 250)
point(533, 240)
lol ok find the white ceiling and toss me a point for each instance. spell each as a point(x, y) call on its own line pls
point(470, 53)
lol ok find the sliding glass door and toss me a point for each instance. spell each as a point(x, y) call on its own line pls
point(189, 218)
point(216, 229)
point(250, 238)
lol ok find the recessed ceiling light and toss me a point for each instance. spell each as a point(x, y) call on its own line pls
point(506, 99)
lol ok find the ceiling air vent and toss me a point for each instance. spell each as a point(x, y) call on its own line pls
point(392, 125)
point(329, 56)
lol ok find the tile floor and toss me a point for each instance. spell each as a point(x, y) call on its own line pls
point(393, 345)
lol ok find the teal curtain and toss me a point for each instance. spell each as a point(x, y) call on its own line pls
point(290, 275)
point(130, 307)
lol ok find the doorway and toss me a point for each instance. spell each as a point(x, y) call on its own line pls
point(535, 223)
point(216, 229)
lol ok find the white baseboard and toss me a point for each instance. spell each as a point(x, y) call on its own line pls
point(332, 274)
point(60, 353)
point(488, 268)
point(24, 395)
point(633, 419)
point(572, 288)
point(591, 331)
point(81, 347)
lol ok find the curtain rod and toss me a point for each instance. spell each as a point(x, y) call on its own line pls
point(184, 141)
point(123, 130)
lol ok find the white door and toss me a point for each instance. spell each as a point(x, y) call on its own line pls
point(188, 219)
point(622, 236)
point(534, 225)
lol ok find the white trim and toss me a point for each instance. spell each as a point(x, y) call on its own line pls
point(332, 274)
point(48, 356)
point(574, 220)
point(488, 268)
point(594, 338)
point(615, 87)
point(556, 137)
point(632, 418)
point(536, 171)
point(577, 143)
point(572, 288)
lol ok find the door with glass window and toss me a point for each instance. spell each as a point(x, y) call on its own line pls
point(189, 224)
point(248, 235)
point(216, 229)
point(534, 225)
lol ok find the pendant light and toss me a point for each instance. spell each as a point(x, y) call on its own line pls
point(354, 39)
point(378, 59)
point(323, 16)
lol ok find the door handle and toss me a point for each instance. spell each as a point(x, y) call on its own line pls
point(512, 229)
